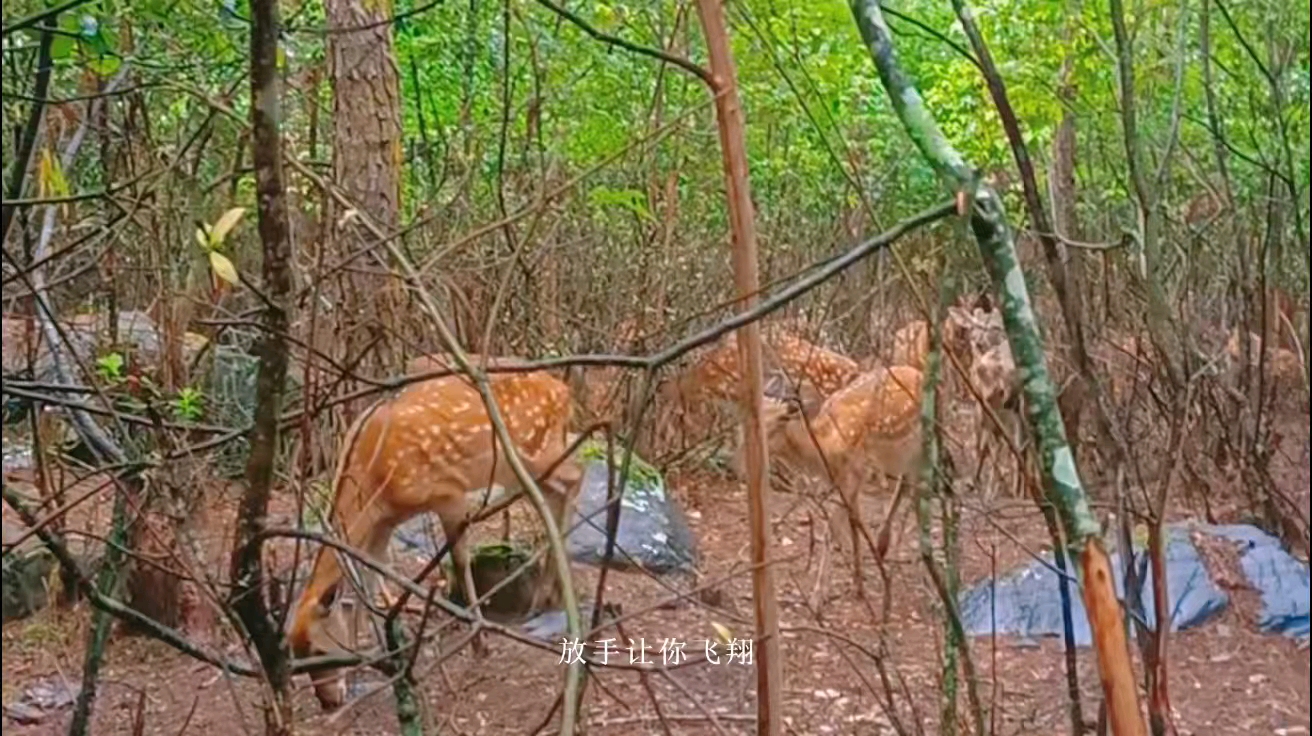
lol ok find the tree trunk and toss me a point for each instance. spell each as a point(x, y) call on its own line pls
point(247, 570)
point(366, 160)
point(1061, 478)
point(733, 147)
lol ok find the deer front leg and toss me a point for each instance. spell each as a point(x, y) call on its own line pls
point(558, 493)
point(886, 529)
point(856, 520)
point(453, 517)
point(849, 490)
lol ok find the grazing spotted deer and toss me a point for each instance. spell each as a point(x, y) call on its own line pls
point(868, 430)
point(793, 367)
point(422, 450)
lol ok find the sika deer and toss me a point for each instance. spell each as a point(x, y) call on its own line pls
point(911, 344)
point(716, 376)
point(867, 430)
point(911, 341)
point(1285, 366)
point(422, 450)
point(793, 367)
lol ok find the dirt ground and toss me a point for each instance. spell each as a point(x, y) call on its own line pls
point(1225, 678)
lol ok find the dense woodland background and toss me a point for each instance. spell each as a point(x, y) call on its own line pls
point(548, 177)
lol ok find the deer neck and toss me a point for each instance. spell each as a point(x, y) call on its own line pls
point(360, 521)
point(817, 446)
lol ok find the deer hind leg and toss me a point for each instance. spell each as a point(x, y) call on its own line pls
point(378, 547)
point(738, 455)
point(451, 512)
point(849, 488)
point(886, 529)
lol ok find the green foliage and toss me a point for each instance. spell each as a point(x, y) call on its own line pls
point(110, 367)
point(188, 405)
point(631, 200)
point(211, 239)
point(504, 103)
point(639, 470)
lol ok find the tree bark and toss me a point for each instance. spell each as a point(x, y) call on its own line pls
point(733, 146)
point(248, 587)
point(367, 155)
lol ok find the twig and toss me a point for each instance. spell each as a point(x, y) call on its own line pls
point(587, 28)
point(48, 13)
point(32, 128)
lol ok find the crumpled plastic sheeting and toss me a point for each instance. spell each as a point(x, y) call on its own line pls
point(1281, 579)
point(653, 532)
point(1027, 603)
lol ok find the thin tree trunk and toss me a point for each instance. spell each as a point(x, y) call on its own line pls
point(1066, 280)
point(733, 146)
point(1061, 478)
point(100, 443)
point(247, 570)
point(945, 576)
point(1150, 220)
point(31, 129)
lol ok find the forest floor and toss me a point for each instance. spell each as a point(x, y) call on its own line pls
point(1225, 678)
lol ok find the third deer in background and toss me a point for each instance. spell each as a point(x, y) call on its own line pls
point(869, 430)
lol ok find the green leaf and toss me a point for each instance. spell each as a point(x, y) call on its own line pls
point(61, 47)
point(223, 267)
point(629, 199)
point(51, 182)
point(189, 404)
point(110, 366)
point(105, 66)
point(722, 632)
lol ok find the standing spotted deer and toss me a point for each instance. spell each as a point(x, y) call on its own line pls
point(868, 430)
point(961, 330)
point(423, 450)
point(793, 367)
point(818, 371)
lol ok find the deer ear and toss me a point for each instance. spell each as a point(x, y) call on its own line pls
point(795, 405)
point(328, 598)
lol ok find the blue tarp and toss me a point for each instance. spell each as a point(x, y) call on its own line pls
point(1026, 603)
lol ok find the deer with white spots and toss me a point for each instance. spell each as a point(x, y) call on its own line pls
point(422, 450)
point(868, 430)
point(962, 330)
point(1285, 366)
point(793, 367)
